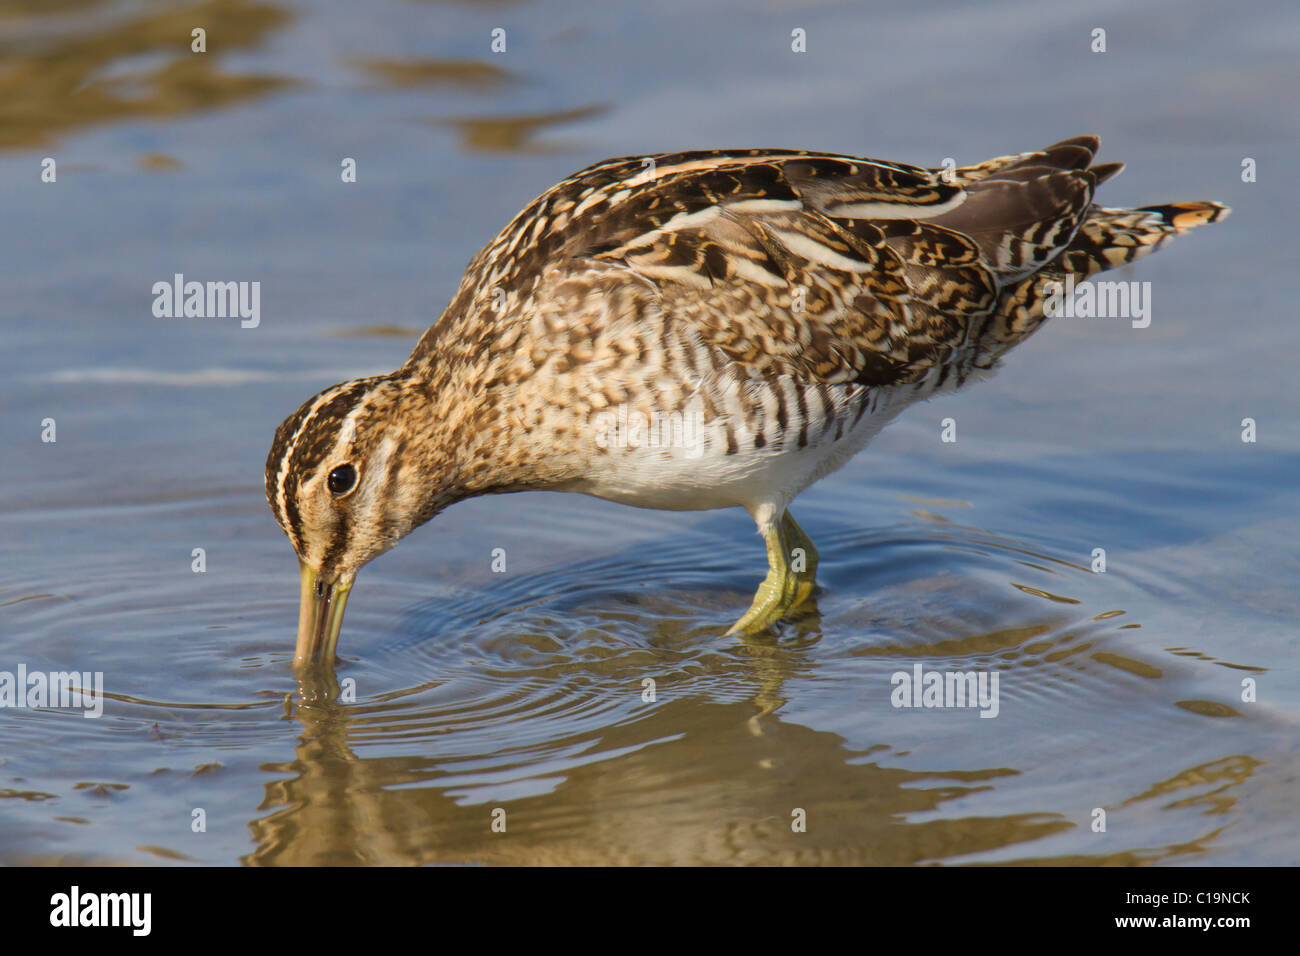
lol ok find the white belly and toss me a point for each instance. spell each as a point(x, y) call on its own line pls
point(691, 470)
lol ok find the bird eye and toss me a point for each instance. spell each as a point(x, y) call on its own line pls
point(342, 480)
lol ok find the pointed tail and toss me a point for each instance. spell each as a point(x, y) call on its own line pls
point(1107, 239)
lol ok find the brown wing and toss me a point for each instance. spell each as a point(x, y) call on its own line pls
point(833, 269)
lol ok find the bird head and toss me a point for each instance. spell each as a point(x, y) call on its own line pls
point(345, 483)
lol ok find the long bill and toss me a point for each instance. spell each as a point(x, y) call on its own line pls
point(320, 616)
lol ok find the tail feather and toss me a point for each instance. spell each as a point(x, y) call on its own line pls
point(1033, 217)
point(1114, 237)
point(1073, 153)
point(1104, 171)
point(1108, 238)
point(1188, 215)
point(1025, 209)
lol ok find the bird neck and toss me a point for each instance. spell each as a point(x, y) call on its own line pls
point(464, 432)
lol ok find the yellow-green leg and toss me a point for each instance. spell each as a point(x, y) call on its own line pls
point(791, 576)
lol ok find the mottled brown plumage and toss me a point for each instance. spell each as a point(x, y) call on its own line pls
point(784, 304)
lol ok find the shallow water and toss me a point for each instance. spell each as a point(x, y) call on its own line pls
point(463, 690)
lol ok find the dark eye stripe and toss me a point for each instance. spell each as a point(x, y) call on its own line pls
point(281, 448)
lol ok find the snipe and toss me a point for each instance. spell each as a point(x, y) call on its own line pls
point(756, 314)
